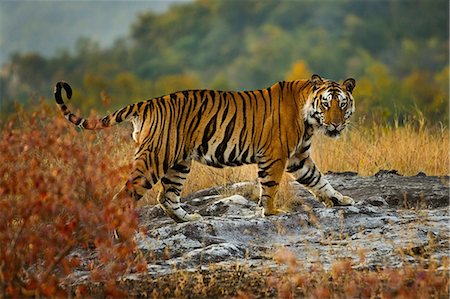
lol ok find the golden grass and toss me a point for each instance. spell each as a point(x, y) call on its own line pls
point(408, 149)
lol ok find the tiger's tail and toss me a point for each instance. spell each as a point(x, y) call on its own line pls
point(90, 124)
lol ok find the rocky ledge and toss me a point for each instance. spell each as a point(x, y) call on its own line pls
point(397, 220)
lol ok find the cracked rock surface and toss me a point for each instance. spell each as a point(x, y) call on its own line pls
point(395, 219)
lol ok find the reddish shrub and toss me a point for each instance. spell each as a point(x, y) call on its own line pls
point(56, 186)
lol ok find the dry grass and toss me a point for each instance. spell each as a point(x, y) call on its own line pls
point(409, 149)
point(291, 280)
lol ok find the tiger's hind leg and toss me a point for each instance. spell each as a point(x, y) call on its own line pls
point(169, 198)
point(143, 177)
point(136, 186)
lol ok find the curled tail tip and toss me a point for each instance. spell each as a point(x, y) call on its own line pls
point(62, 85)
point(68, 89)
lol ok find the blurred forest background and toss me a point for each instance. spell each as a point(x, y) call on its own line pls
point(398, 51)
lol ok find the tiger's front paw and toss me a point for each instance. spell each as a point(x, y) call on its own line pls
point(337, 200)
point(347, 201)
point(186, 217)
point(193, 217)
point(275, 211)
point(180, 215)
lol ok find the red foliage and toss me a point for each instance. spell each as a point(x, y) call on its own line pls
point(343, 281)
point(56, 186)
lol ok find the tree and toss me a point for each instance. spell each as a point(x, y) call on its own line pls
point(299, 70)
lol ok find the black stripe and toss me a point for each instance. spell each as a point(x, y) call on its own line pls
point(269, 90)
point(176, 191)
point(146, 184)
point(146, 162)
point(323, 186)
point(168, 181)
point(154, 178)
point(225, 112)
point(306, 148)
point(212, 94)
point(204, 101)
point(139, 105)
point(208, 134)
point(296, 167)
point(243, 134)
point(75, 122)
point(119, 115)
point(262, 174)
point(191, 126)
point(168, 120)
point(232, 155)
point(181, 168)
point(307, 180)
point(305, 174)
point(314, 183)
point(130, 109)
point(244, 131)
point(268, 166)
point(223, 145)
point(244, 155)
point(270, 184)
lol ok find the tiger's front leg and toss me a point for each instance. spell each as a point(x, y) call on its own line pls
point(269, 176)
point(306, 173)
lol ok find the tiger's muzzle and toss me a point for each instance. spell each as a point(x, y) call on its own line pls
point(333, 130)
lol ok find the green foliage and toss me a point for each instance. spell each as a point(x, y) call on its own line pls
point(396, 50)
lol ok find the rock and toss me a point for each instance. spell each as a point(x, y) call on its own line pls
point(236, 205)
point(422, 174)
point(386, 173)
point(381, 223)
point(343, 173)
point(396, 220)
point(374, 200)
point(215, 253)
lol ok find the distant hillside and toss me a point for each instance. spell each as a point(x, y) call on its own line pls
point(396, 50)
point(31, 26)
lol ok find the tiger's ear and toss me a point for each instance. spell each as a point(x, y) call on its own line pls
point(316, 80)
point(349, 84)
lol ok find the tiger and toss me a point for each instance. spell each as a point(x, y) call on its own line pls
point(269, 127)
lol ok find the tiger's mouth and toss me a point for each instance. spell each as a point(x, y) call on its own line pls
point(333, 130)
point(333, 133)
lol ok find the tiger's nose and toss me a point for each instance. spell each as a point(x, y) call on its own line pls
point(336, 126)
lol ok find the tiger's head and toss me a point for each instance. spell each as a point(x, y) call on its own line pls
point(330, 105)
